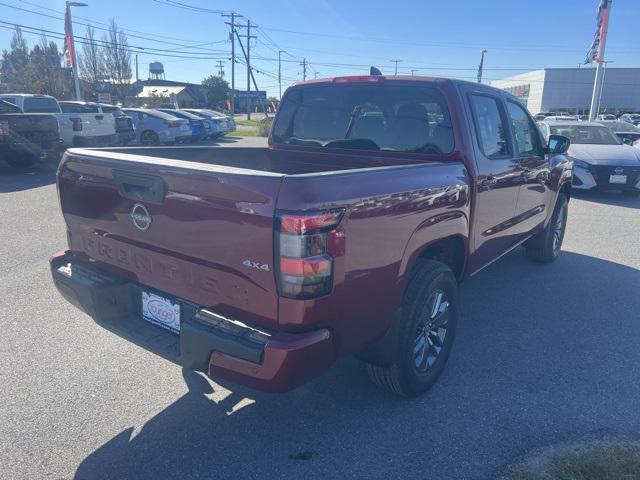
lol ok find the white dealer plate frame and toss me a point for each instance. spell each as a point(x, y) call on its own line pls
point(161, 311)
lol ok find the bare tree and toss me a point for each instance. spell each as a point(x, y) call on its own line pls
point(91, 61)
point(117, 60)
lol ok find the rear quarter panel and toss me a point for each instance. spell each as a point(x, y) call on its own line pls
point(391, 214)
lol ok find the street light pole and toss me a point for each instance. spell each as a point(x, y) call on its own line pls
point(72, 49)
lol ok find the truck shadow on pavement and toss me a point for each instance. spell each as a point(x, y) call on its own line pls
point(617, 199)
point(38, 175)
point(544, 353)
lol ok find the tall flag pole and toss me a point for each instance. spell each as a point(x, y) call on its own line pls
point(71, 49)
point(596, 53)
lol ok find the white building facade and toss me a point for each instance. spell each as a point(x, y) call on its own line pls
point(569, 90)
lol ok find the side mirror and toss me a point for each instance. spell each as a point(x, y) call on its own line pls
point(558, 144)
point(627, 141)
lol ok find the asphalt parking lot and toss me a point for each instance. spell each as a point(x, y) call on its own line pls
point(544, 354)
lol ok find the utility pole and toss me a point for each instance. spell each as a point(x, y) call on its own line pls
point(481, 66)
point(315, 75)
point(220, 68)
point(304, 68)
point(232, 24)
point(599, 59)
point(396, 62)
point(68, 31)
point(280, 72)
point(249, 37)
point(255, 84)
point(413, 72)
point(137, 77)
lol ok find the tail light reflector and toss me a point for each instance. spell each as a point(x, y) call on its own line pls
point(4, 127)
point(77, 124)
point(306, 245)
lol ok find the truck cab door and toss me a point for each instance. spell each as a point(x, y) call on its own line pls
point(533, 165)
point(498, 178)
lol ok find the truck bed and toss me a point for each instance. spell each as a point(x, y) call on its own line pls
point(256, 159)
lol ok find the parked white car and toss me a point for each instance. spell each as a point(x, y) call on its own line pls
point(76, 129)
point(600, 159)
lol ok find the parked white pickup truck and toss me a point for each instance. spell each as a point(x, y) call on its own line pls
point(76, 129)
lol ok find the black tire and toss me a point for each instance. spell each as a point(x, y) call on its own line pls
point(149, 138)
point(432, 285)
point(545, 246)
point(20, 161)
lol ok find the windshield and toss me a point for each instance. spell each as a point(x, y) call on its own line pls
point(588, 134)
point(41, 105)
point(369, 117)
point(182, 114)
point(622, 127)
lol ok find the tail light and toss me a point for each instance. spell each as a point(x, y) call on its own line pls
point(306, 246)
point(4, 127)
point(77, 124)
point(173, 124)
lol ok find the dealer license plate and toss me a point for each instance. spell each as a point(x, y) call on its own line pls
point(617, 179)
point(161, 311)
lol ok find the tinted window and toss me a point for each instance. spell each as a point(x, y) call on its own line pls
point(6, 107)
point(370, 117)
point(41, 105)
point(489, 126)
point(526, 137)
point(588, 134)
point(9, 99)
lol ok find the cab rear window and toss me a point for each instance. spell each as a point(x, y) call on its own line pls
point(40, 105)
point(368, 117)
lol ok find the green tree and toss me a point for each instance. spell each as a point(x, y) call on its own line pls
point(43, 72)
point(216, 90)
point(13, 64)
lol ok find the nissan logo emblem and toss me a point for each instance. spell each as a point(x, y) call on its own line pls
point(618, 171)
point(141, 217)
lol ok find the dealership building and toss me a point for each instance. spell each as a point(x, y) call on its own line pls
point(570, 89)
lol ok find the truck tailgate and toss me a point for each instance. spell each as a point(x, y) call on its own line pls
point(202, 233)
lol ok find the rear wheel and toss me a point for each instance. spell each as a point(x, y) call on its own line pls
point(150, 138)
point(426, 328)
point(545, 246)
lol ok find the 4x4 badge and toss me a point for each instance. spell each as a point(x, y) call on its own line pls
point(256, 265)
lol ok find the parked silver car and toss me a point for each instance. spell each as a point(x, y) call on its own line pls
point(633, 118)
point(600, 158)
point(158, 128)
point(627, 132)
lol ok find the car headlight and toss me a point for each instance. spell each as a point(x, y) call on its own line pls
point(581, 164)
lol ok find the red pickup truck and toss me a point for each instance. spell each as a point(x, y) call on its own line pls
point(348, 235)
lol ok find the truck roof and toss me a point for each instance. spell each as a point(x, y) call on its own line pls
point(349, 79)
point(25, 95)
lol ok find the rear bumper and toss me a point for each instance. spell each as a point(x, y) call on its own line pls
point(207, 342)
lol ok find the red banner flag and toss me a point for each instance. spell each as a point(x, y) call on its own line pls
point(68, 37)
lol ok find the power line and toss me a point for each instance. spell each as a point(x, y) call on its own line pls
point(103, 29)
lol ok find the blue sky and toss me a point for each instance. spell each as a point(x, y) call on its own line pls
point(438, 38)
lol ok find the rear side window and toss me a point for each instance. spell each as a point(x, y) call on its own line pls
point(369, 117)
point(41, 105)
point(527, 139)
point(490, 128)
